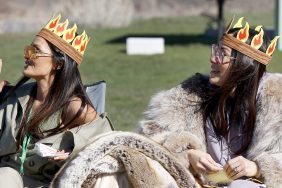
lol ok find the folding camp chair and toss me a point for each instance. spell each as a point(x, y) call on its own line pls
point(97, 95)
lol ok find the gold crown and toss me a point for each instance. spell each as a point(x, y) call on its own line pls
point(66, 39)
point(239, 42)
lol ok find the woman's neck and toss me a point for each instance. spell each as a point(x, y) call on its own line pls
point(43, 87)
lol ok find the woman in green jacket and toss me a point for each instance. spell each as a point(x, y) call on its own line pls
point(53, 110)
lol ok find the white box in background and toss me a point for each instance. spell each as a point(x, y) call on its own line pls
point(145, 46)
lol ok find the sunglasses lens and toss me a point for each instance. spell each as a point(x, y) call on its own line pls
point(29, 52)
point(217, 53)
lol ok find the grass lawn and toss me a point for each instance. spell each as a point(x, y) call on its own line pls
point(132, 80)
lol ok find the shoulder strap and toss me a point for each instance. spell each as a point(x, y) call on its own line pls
point(105, 115)
point(4, 91)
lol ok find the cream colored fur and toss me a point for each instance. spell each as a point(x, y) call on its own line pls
point(146, 163)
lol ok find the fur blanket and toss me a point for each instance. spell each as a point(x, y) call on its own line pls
point(146, 163)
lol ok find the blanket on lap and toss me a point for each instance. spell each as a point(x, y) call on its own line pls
point(145, 162)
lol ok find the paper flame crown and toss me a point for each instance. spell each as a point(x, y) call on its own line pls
point(64, 38)
point(252, 50)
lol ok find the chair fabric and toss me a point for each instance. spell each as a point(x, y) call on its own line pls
point(97, 95)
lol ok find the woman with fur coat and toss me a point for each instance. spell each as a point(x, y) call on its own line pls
point(233, 116)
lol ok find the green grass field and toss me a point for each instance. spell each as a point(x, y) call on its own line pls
point(132, 80)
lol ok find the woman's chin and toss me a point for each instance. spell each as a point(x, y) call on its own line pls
point(26, 73)
point(214, 80)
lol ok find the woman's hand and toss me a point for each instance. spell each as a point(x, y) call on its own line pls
point(64, 156)
point(203, 162)
point(239, 167)
point(4, 82)
point(1, 65)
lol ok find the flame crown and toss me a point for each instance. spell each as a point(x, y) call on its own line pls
point(64, 38)
point(78, 42)
point(252, 50)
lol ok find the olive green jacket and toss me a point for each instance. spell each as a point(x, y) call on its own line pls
point(36, 167)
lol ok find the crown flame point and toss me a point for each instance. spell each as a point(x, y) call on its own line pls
point(243, 33)
point(70, 34)
point(272, 46)
point(239, 23)
point(77, 42)
point(52, 24)
point(84, 44)
point(257, 39)
point(61, 28)
point(258, 28)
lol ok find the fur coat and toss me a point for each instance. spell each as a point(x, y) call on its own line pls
point(172, 113)
point(172, 125)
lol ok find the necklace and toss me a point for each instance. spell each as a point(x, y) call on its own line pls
point(26, 142)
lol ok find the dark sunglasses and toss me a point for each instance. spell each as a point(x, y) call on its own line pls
point(30, 52)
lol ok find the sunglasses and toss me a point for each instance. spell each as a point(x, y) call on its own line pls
point(30, 52)
point(218, 53)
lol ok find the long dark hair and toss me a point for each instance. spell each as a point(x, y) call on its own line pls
point(240, 109)
point(66, 85)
